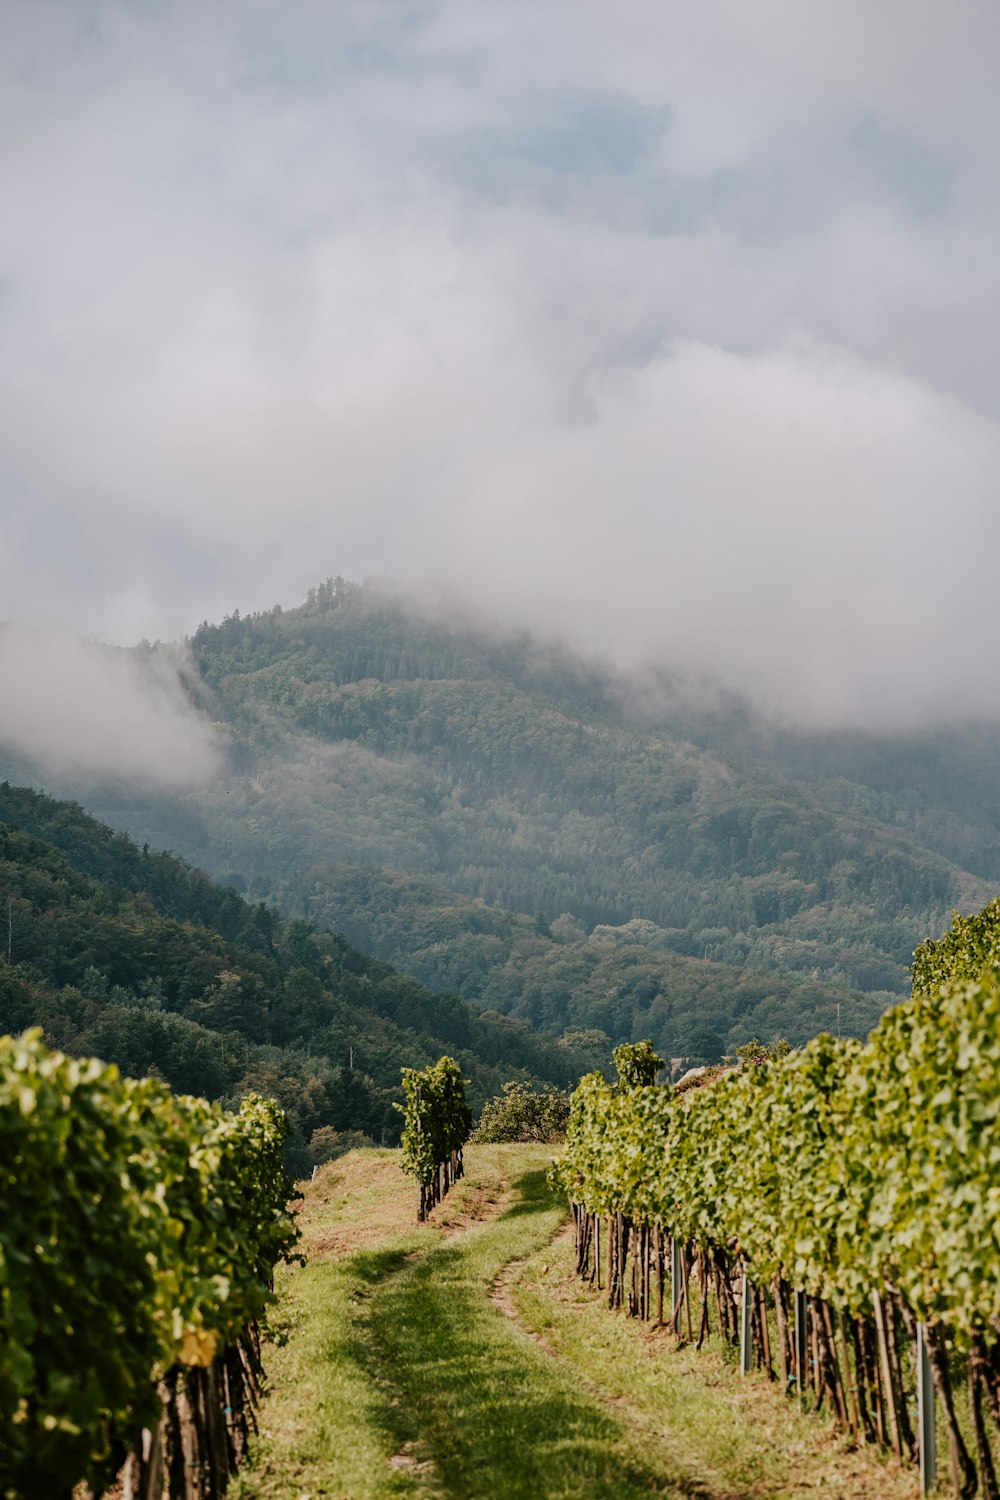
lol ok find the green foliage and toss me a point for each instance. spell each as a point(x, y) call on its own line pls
point(842, 1167)
point(138, 1230)
point(476, 786)
point(326, 1144)
point(523, 1113)
point(502, 812)
point(511, 771)
point(437, 1118)
point(968, 950)
point(637, 1065)
point(754, 1052)
point(113, 954)
point(611, 986)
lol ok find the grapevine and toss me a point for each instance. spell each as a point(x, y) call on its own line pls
point(865, 1178)
point(138, 1236)
point(437, 1125)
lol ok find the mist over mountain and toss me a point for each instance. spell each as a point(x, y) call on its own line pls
point(661, 328)
point(535, 831)
point(77, 709)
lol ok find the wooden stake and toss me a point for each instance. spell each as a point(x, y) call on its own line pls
point(676, 1282)
point(151, 1487)
point(833, 1364)
point(610, 1257)
point(852, 1405)
point(976, 1381)
point(782, 1324)
point(890, 1399)
point(765, 1331)
point(907, 1437)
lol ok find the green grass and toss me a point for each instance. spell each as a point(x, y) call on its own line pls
point(694, 1412)
point(495, 1413)
point(325, 1431)
point(401, 1375)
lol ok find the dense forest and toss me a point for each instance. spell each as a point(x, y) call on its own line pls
point(134, 956)
point(617, 983)
point(549, 839)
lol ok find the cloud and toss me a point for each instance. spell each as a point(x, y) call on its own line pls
point(75, 710)
point(664, 329)
point(818, 532)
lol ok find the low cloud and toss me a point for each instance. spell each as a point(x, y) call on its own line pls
point(817, 532)
point(75, 710)
point(662, 329)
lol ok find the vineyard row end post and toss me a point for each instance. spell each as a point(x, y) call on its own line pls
point(676, 1276)
point(746, 1326)
point(927, 1440)
point(801, 1344)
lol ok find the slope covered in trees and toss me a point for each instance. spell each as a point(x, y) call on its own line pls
point(612, 984)
point(543, 837)
point(136, 958)
point(641, 864)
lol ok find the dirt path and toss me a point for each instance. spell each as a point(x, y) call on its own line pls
point(502, 1289)
point(462, 1360)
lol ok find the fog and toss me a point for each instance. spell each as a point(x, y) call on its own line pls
point(670, 329)
point(71, 709)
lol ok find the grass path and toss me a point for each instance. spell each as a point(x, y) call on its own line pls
point(403, 1372)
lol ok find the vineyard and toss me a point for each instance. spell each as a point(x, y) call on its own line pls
point(832, 1214)
point(835, 1210)
point(137, 1248)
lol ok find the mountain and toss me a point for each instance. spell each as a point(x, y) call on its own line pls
point(136, 957)
point(553, 840)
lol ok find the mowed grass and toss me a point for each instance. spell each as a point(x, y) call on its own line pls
point(328, 1428)
point(738, 1434)
point(323, 1425)
point(400, 1370)
point(493, 1412)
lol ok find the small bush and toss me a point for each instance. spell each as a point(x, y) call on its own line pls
point(754, 1052)
point(523, 1113)
point(326, 1144)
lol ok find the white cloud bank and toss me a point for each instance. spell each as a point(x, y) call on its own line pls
point(73, 709)
point(668, 327)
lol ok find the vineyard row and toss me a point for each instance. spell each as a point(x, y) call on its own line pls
point(857, 1186)
point(437, 1122)
point(138, 1243)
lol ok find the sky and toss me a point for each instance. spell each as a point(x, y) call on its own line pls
point(670, 328)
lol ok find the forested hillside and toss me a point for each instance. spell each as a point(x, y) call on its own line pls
point(135, 957)
point(620, 982)
point(547, 838)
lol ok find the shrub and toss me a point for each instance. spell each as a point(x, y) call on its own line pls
point(522, 1113)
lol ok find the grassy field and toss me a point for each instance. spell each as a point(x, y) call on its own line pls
point(463, 1359)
